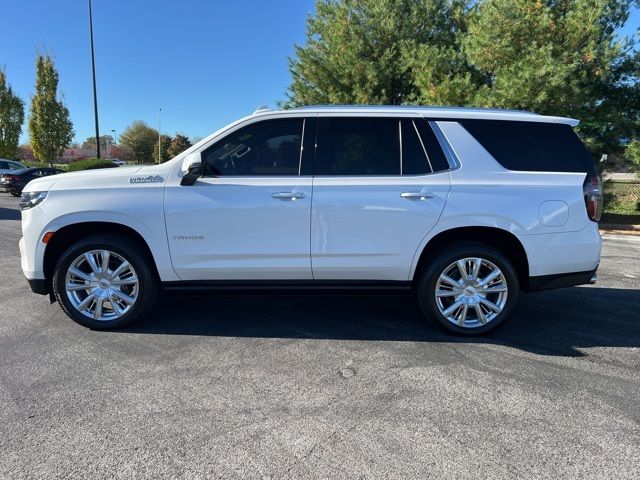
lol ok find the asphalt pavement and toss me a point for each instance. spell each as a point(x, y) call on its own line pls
point(355, 387)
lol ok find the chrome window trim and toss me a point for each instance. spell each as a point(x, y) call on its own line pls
point(400, 134)
point(449, 154)
point(304, 122)
point(413, 122)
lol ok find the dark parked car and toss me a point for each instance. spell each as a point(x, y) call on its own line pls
point(14, 182)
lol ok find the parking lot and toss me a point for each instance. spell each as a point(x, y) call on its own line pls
point(322, 386)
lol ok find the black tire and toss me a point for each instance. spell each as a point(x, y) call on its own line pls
point(148, 283)
point(15, 193)
point(426, 286)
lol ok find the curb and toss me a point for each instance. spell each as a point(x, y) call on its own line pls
point(619, 229)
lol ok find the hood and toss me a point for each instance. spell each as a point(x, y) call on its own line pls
point(99, 178)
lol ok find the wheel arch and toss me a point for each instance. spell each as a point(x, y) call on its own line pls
point(67, 235)
point(498, 238)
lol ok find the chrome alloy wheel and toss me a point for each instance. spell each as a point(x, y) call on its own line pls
point(102, 285)
point(471, 292)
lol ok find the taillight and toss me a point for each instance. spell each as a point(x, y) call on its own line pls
point(10, 177)
point(592, 189)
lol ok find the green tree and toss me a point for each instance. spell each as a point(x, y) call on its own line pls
point(50, 129)
point(11, 118)
point(632, 154)
point(90, 142)
point(362, 51)
point(558, 57)
point(179, 144)
point(139, 141)
point(165, 143)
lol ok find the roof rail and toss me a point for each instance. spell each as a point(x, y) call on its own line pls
point(262, 108)
point(416, 107)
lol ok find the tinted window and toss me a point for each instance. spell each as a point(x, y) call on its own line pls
point(437, 159)
point(4, 166)
point(414, 160)
point(15, 166)
point(271, 147)
point(358, 146)
point(528, 146)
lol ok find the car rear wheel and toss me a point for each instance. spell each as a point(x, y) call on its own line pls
point(468, 289)
point(104, 282)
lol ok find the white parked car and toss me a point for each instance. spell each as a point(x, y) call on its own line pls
point(463, 207)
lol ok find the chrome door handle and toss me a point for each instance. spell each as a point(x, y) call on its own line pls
point(416, 195)
point(288, 195)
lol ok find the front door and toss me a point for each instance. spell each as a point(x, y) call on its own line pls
point(380, 186)
point(248, 217)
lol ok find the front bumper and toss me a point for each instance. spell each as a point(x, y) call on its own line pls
point(38, 285)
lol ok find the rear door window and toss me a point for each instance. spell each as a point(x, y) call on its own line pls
point(414, 156)
point(532, 146)
point(358, 146)
point(421, 152)
point(437, 160)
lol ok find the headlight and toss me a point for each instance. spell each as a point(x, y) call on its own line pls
point(31, 199)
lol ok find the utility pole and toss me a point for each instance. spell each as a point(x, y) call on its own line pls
point(95, 95)
point(159, 136)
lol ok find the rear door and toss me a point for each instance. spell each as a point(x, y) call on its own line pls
point(380, 185)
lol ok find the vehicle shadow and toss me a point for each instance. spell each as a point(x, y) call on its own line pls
point(555, 322)
point(9, 214)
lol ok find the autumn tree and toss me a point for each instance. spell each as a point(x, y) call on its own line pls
point(179, 144)
point(165, 143)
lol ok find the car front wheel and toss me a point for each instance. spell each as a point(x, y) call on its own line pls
point(104, 281)
point(468, 289)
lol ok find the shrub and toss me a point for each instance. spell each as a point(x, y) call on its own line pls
point(90, 164)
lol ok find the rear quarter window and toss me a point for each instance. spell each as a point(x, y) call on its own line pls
point(532, 146)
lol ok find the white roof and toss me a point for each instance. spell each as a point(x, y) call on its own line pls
point(438, 112)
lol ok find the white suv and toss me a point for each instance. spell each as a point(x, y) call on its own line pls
point(463, 207)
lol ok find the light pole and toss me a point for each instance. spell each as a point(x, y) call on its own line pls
point(115, 136)
point(95, 95)
point(159, 135)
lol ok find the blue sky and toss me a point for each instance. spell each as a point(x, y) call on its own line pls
point(206, 63)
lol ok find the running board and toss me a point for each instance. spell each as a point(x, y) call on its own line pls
point(289, 286)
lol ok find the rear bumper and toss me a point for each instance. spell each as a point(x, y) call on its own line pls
point(560, 280)
point(563, 252)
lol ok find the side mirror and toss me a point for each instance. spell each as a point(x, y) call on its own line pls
point(191, 168)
